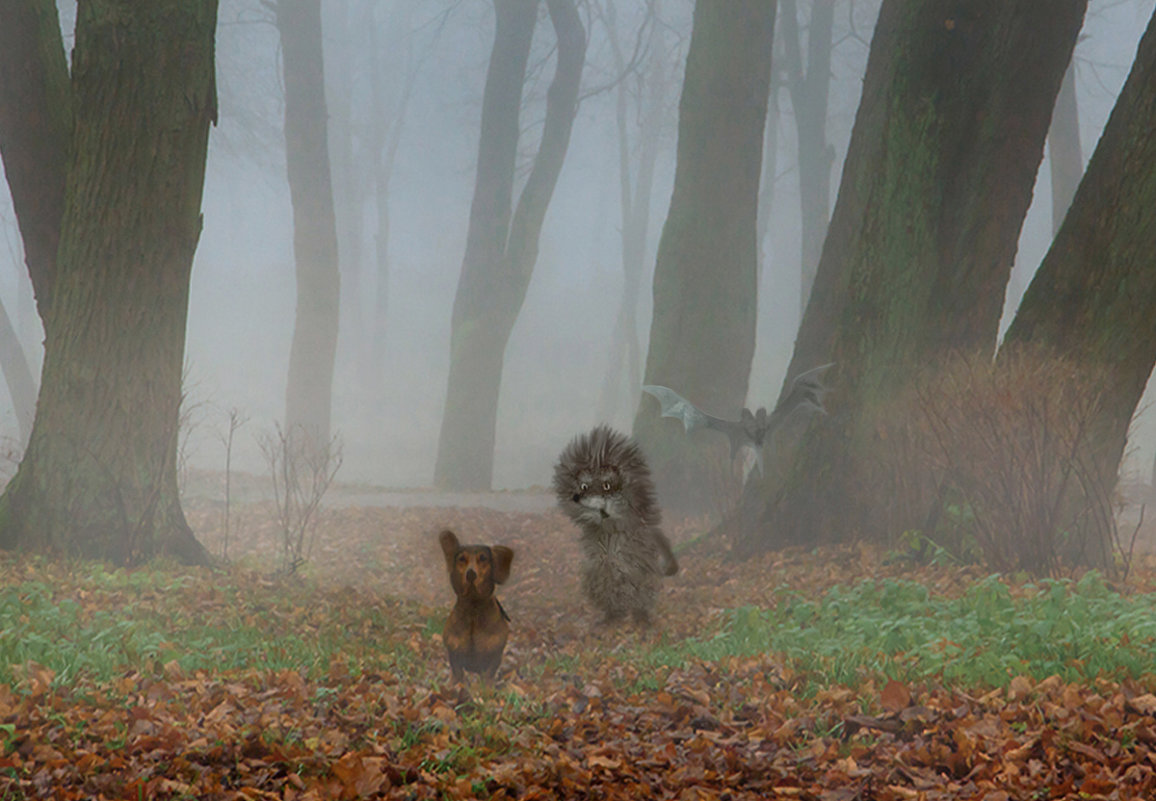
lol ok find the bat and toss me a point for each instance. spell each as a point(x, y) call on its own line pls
point(751, 429)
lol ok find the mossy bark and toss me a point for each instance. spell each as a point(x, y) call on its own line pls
point(1093, 299)
point(99, 475)
point(702, 334)
point(939, 174)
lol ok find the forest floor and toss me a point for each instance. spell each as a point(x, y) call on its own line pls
point(243, 682)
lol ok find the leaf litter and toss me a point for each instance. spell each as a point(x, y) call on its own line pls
point(578, 712)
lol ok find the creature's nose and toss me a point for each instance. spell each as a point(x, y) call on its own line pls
point(471, 574)
point(577, 497)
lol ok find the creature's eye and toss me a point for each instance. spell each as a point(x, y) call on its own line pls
point(462, 559)
point(583, 486)
point(606, 486)
point(483, 557)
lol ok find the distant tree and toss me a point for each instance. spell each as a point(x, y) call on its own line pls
point(643, 109)
point(99, 475)
point(939, 174)
point(502, 242)
point(1093, 299)
point(702, 335)
point(810, 86)
point(309, 393)
point(1064, 152)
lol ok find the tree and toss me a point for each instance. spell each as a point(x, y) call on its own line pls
point(810, 88)
point(502, 243)
point(702, 335)
point(309, 393)
point(35, 118)
point(939, 173)
point(641, 95)
point(99, 475)
point(1093, 300)
point(1065, 155)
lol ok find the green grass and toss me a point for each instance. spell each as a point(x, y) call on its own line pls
point(142, 619)
point(1078, 630)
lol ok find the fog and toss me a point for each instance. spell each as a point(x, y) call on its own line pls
point(243, 290)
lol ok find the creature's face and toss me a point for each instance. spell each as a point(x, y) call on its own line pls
point(601, 478)
point(595, 494)
point(475, 569)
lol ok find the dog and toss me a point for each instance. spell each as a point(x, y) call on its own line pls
point(476, 631)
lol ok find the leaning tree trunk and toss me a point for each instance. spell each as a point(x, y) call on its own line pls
point(35, 123)
point(99, 476)
point(309, 393)
point(939, 174)
point(702, 335)
point(1093, 300)
point(501, 247)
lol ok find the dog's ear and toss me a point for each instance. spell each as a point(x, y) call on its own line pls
point(503, 556)
point(449, 543)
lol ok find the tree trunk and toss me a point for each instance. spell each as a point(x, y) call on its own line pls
point(1093, 299)
point(309, 394)
point(624, 376)
point(501, 248)
point(99, 476)
point(809, 97)
point(35, 123)
point(939, 174)
point(702, 335)
point(1065, 155)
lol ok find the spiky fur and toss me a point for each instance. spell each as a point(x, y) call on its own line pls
point(603, 485)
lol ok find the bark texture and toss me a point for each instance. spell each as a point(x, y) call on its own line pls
point(702, 335)
point(502, 243)
point(99, 475)
point(309, 393)
point(1093, 299)
point(939, 174)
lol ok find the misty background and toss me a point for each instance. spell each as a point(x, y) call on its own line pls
point(415, 69)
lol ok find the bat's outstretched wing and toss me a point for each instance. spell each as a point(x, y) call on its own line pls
point(674, 405)
point(806, 393)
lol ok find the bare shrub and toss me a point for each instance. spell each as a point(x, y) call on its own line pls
point(236, 420)
point(302, 471)
point(1011, 449)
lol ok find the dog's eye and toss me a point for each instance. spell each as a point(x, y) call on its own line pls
point(583, 486)
point(606, 486)
point(483, 558)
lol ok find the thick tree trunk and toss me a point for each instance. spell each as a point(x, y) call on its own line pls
point(99, 475)
point(1065, 155)
point(501, 248)
point(35, 123)
point(702, 335)
point(939, 173)
point(1093, 300)
point(309, 394)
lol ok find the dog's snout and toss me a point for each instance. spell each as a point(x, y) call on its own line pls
point(471, 576)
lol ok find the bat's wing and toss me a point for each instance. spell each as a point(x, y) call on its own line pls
point(806, 393)
point(674, 405)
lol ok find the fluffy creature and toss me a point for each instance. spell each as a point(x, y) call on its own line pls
point(603, 484)
point(476, 631)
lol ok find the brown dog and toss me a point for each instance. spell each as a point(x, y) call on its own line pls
point(476, 631)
